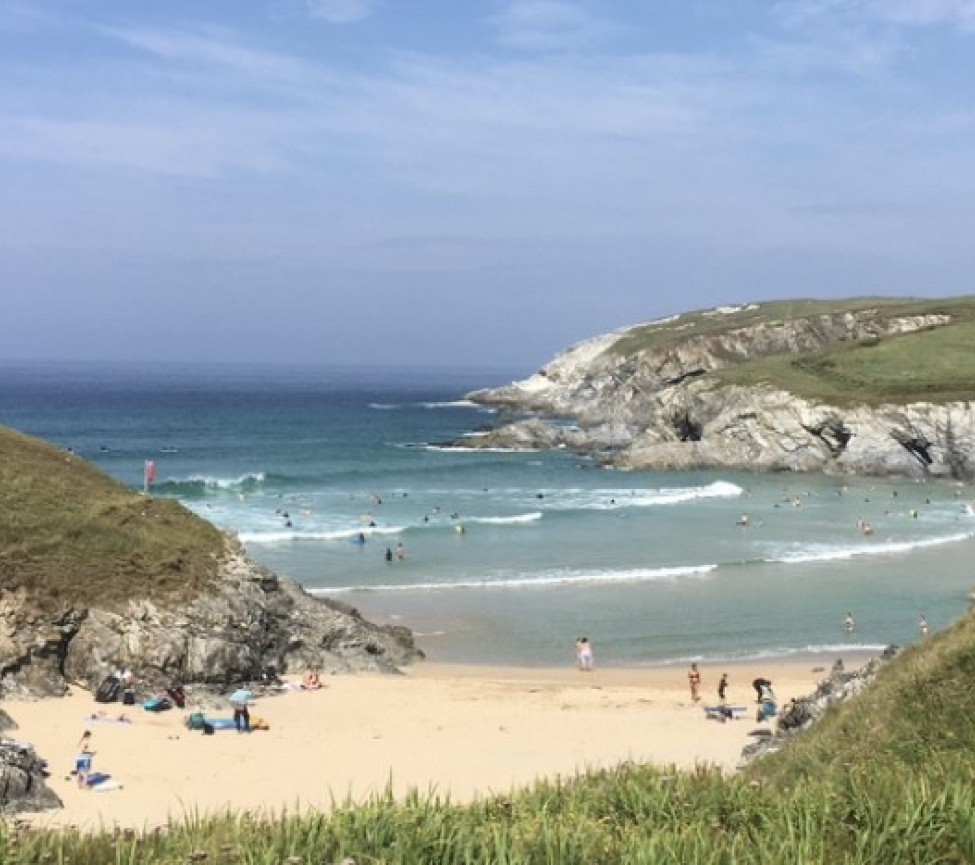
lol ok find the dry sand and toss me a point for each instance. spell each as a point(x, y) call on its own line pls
point(459, 731)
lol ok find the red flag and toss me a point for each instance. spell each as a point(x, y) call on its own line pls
point(150, 471)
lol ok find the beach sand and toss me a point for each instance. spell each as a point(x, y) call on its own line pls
point(461, 732)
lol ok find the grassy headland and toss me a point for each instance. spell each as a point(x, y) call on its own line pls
point(932, 365)
point(70, 534)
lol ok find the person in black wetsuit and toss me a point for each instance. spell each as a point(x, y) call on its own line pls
point(723, 687)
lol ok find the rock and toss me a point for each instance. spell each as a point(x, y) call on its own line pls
point(22, 784)
point(800, 714)
point(662, 407)
point(250, 622)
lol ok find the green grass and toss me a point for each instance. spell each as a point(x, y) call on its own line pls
point(69, 534)
point(934, 365)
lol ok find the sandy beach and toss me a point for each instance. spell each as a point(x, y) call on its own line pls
point(460, 731)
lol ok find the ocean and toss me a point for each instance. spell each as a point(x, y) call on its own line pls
point(508, 557)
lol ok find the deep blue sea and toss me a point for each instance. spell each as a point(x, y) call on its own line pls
point(508, 557)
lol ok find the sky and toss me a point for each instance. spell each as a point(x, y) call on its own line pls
point(466, 184)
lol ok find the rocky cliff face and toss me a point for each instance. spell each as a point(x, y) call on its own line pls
point(251, 621)
point(660, 407)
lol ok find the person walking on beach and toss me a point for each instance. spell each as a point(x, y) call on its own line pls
point(694, 681)
point(723, 689)
point(584, 658)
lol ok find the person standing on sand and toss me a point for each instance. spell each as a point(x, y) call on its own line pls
point(82, 763)
point(584, 658)
point(723, 689)
point(694, 681)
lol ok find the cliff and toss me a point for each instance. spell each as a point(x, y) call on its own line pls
point(95, 576)
point(860, 387)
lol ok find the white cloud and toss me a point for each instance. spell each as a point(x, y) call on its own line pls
point(341, 11)
point(952, 13)
point(549, 25)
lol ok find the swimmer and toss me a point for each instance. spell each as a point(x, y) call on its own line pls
point(849, 625)
point(400, 551)
point(922, 625)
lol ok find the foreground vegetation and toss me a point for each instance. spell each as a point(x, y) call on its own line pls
point(71, 534)
point(883, 779)
point(932, 365)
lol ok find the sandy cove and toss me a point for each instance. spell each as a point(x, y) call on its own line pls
point(462, 731)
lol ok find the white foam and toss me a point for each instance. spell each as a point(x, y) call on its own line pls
point(556, 578)
point(454, 403)
point(516, 519)
point(823, 553)
point(280, 537)
point(224, 483)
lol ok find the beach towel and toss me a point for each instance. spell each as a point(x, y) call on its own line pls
point(222, 723)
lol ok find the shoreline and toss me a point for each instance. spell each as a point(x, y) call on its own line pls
point(457, 731)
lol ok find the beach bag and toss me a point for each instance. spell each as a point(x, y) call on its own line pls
point(208, 728)
point(156, 704)
point(196, 721)
point(128, 697)
point(108, 690)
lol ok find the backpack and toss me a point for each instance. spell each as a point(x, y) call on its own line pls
point(108, 690)
point(196, 721)
point(156, 704)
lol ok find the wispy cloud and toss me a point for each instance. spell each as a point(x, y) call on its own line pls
point(954, 13)
point(211, 47)
point(341, 11)
point(550, 25)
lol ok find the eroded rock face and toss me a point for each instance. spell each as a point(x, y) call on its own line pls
point(251, 621)
point(661, 408)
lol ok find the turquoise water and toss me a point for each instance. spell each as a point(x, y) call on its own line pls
point(652, 566)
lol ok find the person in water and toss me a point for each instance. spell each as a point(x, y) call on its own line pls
point(389, 555)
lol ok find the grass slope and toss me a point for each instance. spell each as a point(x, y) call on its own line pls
point(69, 533)
point(933, 365)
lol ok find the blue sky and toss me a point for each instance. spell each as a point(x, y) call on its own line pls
point(466, 183)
